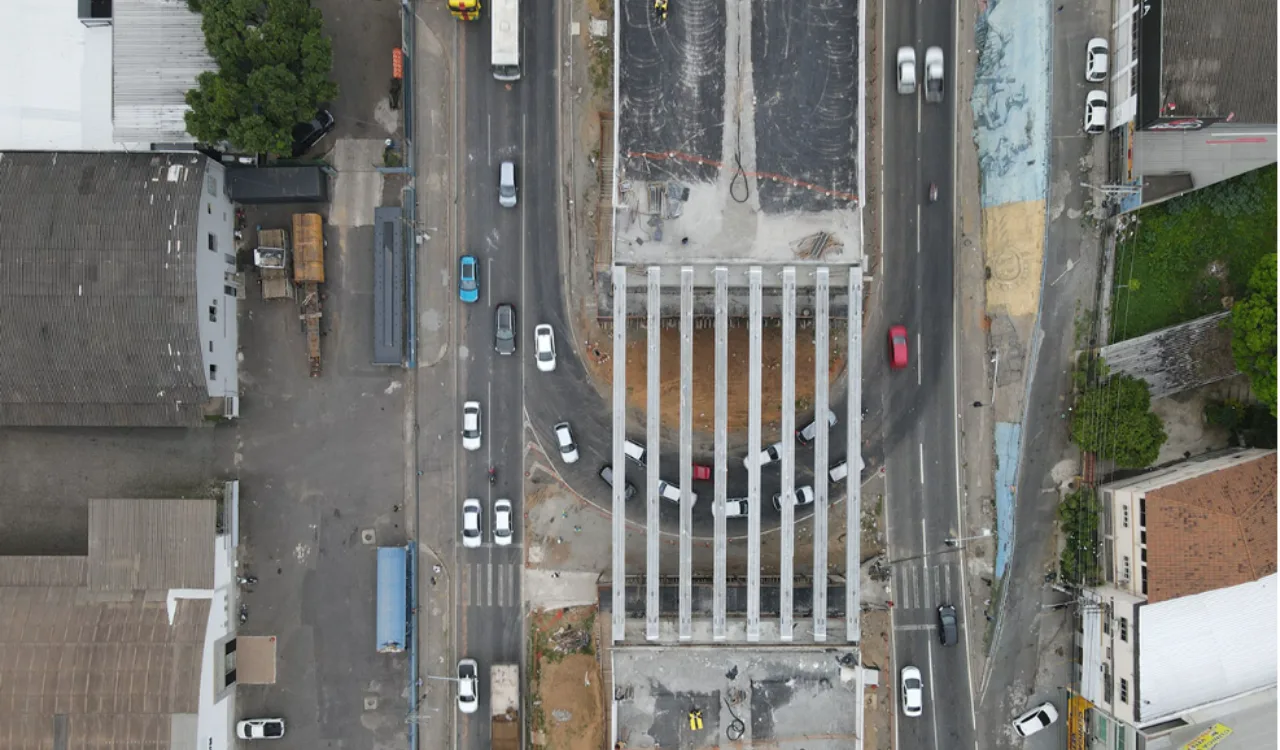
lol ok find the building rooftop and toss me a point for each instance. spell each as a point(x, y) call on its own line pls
point(159, 52)
point(1211, 532)
point(97, 289)
point(1220, 64)
point(1177, 358)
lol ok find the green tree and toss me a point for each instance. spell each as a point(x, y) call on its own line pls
point(1253, 331)
point(1114, 420)
point(273, 72)
point(1078, 513)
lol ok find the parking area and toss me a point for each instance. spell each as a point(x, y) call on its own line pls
point(363, 34)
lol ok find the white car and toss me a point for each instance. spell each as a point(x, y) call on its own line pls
point(906, 70)
point(468, 686)
point(1095, 112)
point(564, 438)
point(544, 347)
point(933, 75)
point(1036, 719)
point(767, 456)
point(471, 532)
point(1095, 63)
point(803, 496)
point(502, 527)
point(671, 492)
point(260, 729)
point(912, 692)
point(736, 507)
point(471, 425)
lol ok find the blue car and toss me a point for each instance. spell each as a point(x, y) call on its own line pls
point(468, 279)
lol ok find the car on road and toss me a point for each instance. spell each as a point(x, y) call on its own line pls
point(1095, 112)
point(948, 625)
point(701, 473)
point(544, 343)
point(307, 134)
point(471, 425)
point(1036, 719)
point(671, 492)
point(468, 278)
point(471, 531)
point(502, 526)
point(606, 473)
point(260, 729)
point(468, 686)
point(933, 75)
point(912, 692)
point(504, 329)
point(634, 451)
point(736, 507)
point(838, 472)
point(810, 431)
point(564, 438)
point(767, 456)
point(1096, 59)
point(897, 347)
point(803, 496)
point(906, 70)
point(507, 184)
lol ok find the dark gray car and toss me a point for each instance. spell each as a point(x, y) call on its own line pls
point(947, 625)
point(504, 329)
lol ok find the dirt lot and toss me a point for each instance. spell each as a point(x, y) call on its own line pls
point(565, 684)
point(877, 723)
point(704, 374)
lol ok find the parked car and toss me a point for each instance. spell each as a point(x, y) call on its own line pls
point(606, 473)
point(933, 75)
point(468, 278)
point(471, 425)
point(912, 692)
point(307, 134)
point(810, 431)
point(502, 524)
point(1095, 112)
point(897, 347)
point(767, 456)
point(1096, 60)
point(671, 492)
point(634, 451)
point(468, 686)
point(504, 329)
point(1035, 719)
point(701, 473)
point(564, 438)
point(736, 507)
point(471, 531)
point(948, 625)
point(906, 70)
point(260, 729)
point(803, 496)
point(544, 340)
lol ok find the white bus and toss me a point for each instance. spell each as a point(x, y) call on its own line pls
point(504, 16)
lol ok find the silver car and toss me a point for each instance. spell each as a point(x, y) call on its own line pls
point(471, 425)
point(906, 70)
point(564, 438)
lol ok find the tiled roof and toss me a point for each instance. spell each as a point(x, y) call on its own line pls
point(1219, 59)
point(97, 289)
point(1213, 531)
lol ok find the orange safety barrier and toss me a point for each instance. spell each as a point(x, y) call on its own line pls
point(397, 63)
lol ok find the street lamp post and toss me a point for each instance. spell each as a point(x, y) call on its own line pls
point(953, 541)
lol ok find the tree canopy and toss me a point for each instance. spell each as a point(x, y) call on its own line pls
point(1114, 420)
point(273, 72)
point(1253, 331)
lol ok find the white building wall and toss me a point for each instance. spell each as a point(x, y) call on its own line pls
point(215, 271)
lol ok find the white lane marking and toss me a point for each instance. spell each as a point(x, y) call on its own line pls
point(919, 361)
point(490, 139)
point(921, 445)
point(918, 232)
point(489, 592)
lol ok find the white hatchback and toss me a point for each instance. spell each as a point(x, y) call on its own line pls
point(471, 425)
point(1036, 719)
point(471, 532)
point(544, 347)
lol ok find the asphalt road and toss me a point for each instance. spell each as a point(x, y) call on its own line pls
point(500, 122)
point(920, 439)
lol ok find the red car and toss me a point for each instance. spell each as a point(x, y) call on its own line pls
point(701, 473)
point(897, 347)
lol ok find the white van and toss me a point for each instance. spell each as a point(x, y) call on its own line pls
point(841, 470)
point(671, 492)
point(735, 507)
point(807, 435)
point(507, 184)
point(633, 451)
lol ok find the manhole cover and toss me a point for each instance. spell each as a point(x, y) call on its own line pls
point(371, 703)
point(368, 537)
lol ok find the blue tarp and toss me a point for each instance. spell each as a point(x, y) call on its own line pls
point(393, 588)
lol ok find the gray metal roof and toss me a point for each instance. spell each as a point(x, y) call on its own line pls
point(1176, 358)
point(97, 289)
point(1213, 155)
point(158, 51)
point(152, 545)
point(1219, 59)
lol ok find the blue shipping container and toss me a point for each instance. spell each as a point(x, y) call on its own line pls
point(393, 587)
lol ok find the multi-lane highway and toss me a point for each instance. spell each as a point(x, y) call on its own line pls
point(920, 405)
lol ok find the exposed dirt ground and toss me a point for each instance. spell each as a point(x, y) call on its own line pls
point(877, 724)
point(704, 374)
point(565, 688)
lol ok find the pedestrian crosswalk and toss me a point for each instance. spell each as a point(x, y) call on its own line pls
point(919, 584)
point(490, 584)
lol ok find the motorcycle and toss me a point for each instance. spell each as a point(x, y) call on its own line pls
point(933, 192)
point(246, 580)
point(660, 10)
point(493, 475)
point(244, 613)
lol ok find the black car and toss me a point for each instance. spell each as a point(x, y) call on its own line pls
point(307, 134)
point(504, 329)
point(948, 625)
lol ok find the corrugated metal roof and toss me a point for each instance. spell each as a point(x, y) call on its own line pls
point(44, 571)
point(1209, 156)
point(1177, 358)
point(1219, 59)
point(151, 544)
point(1192, 651)
point(97, 289)
point(159, 50)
